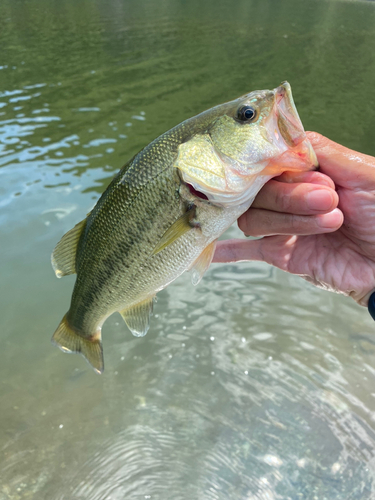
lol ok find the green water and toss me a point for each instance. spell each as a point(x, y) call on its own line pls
point(252, 386)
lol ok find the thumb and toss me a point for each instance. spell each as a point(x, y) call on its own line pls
point(347, 168)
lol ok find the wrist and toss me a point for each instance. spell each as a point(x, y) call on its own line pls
point(364, 301)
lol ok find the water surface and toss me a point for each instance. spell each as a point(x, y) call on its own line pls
point(252, 386)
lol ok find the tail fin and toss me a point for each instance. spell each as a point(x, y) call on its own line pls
point(70, 341)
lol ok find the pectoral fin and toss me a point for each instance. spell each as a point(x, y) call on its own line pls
point(203, 262)
point(137, 317)
point(182, 225)
point(64, 255)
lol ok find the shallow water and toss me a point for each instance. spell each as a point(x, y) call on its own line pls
point(252, 386)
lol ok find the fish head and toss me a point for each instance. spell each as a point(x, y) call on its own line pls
point(249, 141)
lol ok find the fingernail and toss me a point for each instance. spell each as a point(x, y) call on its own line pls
point(320, 199)
point(333, 220)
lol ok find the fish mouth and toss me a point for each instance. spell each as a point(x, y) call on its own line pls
point(288, 120)
point(289, 124)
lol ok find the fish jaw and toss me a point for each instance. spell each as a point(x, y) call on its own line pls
point(300, 158)
point(288, 132)
point(289, 122)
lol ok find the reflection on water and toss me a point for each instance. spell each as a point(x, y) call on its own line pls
point(252, 386)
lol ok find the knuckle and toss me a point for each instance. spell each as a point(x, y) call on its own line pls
point(245, 221)
point(295, 222)
point(284, 200)
point(257, 223)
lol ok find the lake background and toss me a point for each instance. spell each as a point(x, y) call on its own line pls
point(253, 385)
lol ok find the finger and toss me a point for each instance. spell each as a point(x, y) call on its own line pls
point(258, 222)
point(346, 167)
point(311, 177)
point(300, 199)
point(237, 250)
point(275, 250)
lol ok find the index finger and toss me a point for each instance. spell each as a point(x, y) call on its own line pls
point(300, 198)
point(310, 177)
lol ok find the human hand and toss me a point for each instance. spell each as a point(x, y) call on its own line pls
point(309, 229)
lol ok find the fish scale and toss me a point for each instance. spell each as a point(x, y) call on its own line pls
point(163, 212)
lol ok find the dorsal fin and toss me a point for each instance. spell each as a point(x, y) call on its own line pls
point(64, 255)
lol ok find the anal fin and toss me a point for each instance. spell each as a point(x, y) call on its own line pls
point(202, 263)
point(137, 317)
point(64, 255)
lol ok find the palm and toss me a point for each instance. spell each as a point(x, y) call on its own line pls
point(326, 261)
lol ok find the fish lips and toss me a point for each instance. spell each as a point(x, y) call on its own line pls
point(288, 120)
point(290, 125)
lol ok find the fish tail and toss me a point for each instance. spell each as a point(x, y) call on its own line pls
point(69, 340)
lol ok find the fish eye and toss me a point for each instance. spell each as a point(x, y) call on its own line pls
point(246, 114)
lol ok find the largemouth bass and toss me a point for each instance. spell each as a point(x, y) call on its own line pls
point(163, 212)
